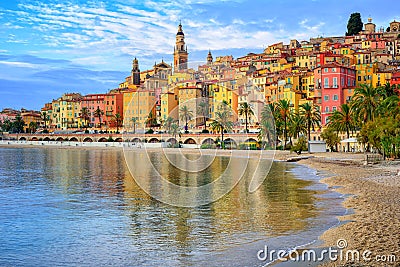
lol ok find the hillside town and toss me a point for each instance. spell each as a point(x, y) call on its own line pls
point(323, 72)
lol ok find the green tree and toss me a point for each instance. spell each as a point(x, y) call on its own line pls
point(168, 123)
point(222, 122)
point(19, 124)
point(331, 138)
point(343, 121)
point(245, 110)
point(98, 113)
point(186, 115)
point(7, 125)
point(33, 125)
point(118, 121)
point(354, 25)
point(365, 102)
point(85, 115)
point(300, 146)
point(311, 116)
point(296, 125)
point(174, 129)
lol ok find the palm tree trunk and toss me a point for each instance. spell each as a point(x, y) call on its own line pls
point(246, 122)
point(222, 138)
point(348, 136)
point(285, 136)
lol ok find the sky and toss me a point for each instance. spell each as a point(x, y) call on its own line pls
point(52, 47)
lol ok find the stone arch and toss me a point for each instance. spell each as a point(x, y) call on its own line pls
point(46, 138)
point(22, 138)
point(230, 143)
point(136, 140)
point(172, 140)
point(34, 138)
point(52, 139)
point(153, 140)
point(103, 139)
point(208, 141)
point(119, 139)
point(73, 139)
point(59, 139)
point(250, 140)
point(190, 141)
point(40, 139)
point(88, 139)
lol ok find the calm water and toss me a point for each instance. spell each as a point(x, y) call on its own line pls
point(71, 207)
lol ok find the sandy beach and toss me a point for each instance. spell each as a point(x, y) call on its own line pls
point(372, 195)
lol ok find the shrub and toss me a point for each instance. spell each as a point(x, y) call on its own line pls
point(205, 131)
point(150, 131)
point(300, 146)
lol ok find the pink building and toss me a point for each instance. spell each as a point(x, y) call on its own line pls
point(92, 102)
point(335, 78)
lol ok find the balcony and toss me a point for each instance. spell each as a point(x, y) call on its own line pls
point(331, 86)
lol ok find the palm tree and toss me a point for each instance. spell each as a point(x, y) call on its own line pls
point(33, 125)
point(296, 126)
point(118, 120)
point(266, 132)
point(45, 117)
point(365, 102)
point(167, 124)
point(202, 110)
point(222, 123)
point(19, 124)
point(98, 113)
point(311, 116)
point(174, 129)
point(85, 115)
point(134, 122)
point(185, 114)
point(284, 113)
point(343, 121)
point(246, 111)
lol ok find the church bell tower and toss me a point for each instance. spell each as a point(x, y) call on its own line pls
point(180, 51)
point(135, 74)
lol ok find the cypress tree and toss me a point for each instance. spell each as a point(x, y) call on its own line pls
point(354, 25)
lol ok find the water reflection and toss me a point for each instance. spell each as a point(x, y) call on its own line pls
point(91, 204)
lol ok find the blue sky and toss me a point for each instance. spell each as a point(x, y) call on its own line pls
point(51, 47)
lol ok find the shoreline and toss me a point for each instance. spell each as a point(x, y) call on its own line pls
point(371, 194)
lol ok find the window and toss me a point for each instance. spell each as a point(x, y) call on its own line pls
point(342, 81)
point(335, 97)
point(326, 120)
point(335, 85)
point(326, 82)
point(326, 97)
point(333, 69)
point(326, 109)
point(333, 109)
point(326, 70)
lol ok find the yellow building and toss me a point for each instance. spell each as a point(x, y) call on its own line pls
point(28, 117)
point(364, 73)
point(222, 92)
point(139, 104)
point(169, 104)
point(70, 114)
point(190, 96)
point(381, 78)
